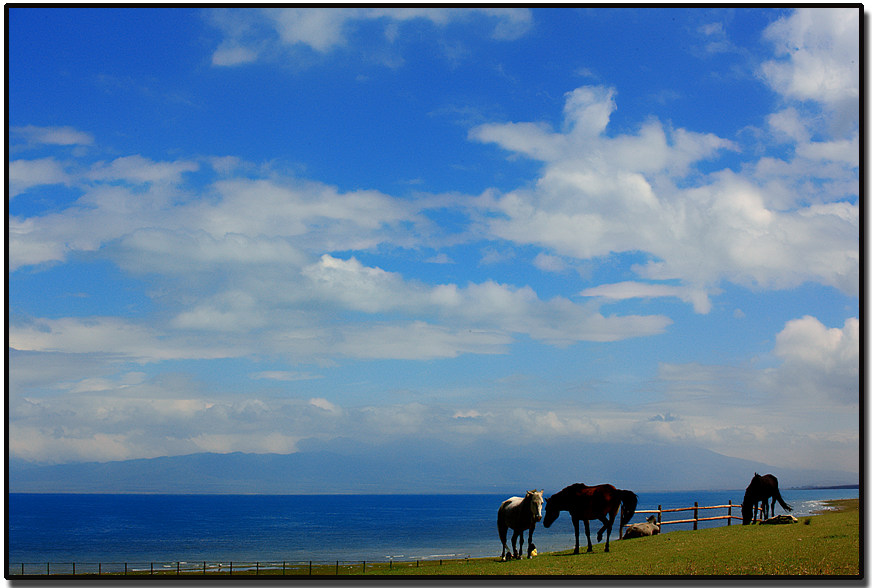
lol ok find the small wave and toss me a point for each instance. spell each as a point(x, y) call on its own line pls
point(444, 556)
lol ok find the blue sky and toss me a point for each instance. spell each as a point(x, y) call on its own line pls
point(255, 230)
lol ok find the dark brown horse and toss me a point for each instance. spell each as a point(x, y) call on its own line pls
point(761, 488)
point(587, 503)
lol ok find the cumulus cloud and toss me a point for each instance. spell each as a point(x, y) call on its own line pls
point(601, 194)
point(820, 362)
point(817, 59)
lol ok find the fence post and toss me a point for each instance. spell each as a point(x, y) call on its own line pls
point(695, 514)
point(364, 566)
point(310, 567)
point(74, 568)
point(730, 513)
point(337, 567)
point(125, 568)
point(204, 568)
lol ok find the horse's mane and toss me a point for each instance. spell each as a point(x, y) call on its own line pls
point(570, 490)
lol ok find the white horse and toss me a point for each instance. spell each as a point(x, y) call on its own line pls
point(519, 514)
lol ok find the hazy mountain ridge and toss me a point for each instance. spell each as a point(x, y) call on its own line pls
point(419, 468)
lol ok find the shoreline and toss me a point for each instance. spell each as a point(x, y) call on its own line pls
point(838, 505)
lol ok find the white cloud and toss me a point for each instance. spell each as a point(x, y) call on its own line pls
point(27, 173)
point(138, 169)
point(63, 136)
point(416, 340)
point(599, 195)
point(233, 55)
point(549, 263)
point(285, 376)
point(488, 305)
point(628, 290)
point(251, 34)
point(114, 337)
point(821, 362)
point(819, 50)
point(325, 405)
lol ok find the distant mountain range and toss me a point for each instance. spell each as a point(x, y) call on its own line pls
point(417, 468)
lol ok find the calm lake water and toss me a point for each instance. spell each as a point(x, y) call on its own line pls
point(92, 528)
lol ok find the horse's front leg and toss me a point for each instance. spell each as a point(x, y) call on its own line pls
point(587, 532)
point(520, 545)
point(607, 527)
point(515, 552)
point(575, 523)
point(530, 542)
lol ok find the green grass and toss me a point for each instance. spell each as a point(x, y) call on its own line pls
point(826, 544)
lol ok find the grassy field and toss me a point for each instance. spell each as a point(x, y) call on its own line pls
point(826, 544)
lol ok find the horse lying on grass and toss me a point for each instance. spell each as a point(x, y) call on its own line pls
point(643, 529)
point(519, 514)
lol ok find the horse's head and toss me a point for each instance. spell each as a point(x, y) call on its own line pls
point(552, 510)
point(747, 512)
point(536, 501)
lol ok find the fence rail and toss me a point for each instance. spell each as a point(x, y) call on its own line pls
point(729, 517)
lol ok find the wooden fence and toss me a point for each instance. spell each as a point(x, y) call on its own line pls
point(229, 568)
point(729, 517)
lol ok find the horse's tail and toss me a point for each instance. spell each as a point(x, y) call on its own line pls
point(628, 502)
point(783, 504)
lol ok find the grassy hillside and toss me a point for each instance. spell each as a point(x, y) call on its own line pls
point(827, 544)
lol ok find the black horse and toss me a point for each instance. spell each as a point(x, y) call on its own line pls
point(761, 488)
point(587, 503)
